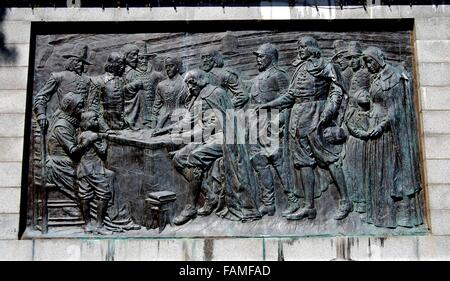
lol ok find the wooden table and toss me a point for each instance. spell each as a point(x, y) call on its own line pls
point(142, 165)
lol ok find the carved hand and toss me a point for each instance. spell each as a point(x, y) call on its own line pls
point(364, 135)
point(239, 101)
point(376, 132)
point(322, 122)
point(328, 135)
point(43, 123)
point(325, 118)
point(172, 154)
point(261, 106)
point(88, 137)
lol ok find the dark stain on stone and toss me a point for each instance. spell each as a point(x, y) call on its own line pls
point(349, 244)
point(110, 251)
point(291, 241)
point(208, 249)
point(382, 241)
point(370, 249)
point(280, 251)
point(343, 248)
point(340, 246)
point(158, 246)
point(185, 251)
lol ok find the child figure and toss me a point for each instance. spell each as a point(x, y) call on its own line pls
point(91, 173)
point(358, 124)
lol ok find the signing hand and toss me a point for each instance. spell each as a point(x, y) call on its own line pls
point(158, 132)
point(260, 106)
point(111, 132)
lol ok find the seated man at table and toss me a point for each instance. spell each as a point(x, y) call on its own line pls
point(205, 120)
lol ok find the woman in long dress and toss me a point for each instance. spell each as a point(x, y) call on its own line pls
point(393, 195)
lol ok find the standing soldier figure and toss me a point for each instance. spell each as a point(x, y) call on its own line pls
point(267, 86)
point(315, 94)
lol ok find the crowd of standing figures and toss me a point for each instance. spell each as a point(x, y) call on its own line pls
point(348, 121)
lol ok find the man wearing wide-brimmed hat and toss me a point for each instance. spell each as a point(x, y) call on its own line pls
point(361, 76)
point(341, 59)
point(133, 84)
point(150, 79)
point(72, 80)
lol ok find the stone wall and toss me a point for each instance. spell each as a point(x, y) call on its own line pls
point(432, 42)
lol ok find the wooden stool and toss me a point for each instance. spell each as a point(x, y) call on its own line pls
point(158, 205)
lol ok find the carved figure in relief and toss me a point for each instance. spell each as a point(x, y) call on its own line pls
point(63, 149)
point(393, 197)
point(342, 60)
point(109, 88)
point(212, 62)
point(346, 122)
point(270, 83)
point(207, 116)
point(92, 175)
point(355, 162)
point(133, 84)
point(150, 79)
point(315, 94)
point(72, 80)
point(354, 159)
point(171, 93)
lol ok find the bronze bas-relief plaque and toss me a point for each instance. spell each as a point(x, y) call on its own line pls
point(237, 133)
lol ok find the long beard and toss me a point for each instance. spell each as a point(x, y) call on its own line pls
point(142, 66)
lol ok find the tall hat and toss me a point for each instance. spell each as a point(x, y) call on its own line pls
point(354, 49)
point(143, 50)
point(79, 51)
point(339, 47)
point(229, 44)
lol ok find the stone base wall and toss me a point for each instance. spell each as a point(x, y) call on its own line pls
point(432, 43)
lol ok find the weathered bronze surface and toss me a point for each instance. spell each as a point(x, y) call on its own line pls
point(238, 133)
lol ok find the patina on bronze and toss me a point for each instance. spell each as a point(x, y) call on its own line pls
point(121, 118)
